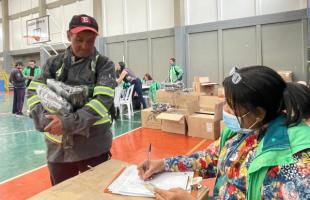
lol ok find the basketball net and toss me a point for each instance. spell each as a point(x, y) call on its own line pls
point(33, 38)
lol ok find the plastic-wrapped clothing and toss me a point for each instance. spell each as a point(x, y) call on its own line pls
point(75, 95)
point(53, 102)
point(90, 125)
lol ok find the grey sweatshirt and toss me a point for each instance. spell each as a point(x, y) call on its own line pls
point(17, 78)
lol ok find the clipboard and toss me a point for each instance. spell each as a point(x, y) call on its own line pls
point(200, 193)
point(106, 189)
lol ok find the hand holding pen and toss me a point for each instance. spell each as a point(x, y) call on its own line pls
point(150, 167)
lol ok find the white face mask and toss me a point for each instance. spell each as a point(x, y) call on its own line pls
point(232, 122)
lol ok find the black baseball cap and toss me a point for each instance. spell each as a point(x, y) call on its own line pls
point(83, 22)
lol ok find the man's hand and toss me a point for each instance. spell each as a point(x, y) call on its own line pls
point(173, 194)
point(55, 126)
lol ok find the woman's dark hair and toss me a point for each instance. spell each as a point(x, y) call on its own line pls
point(260, 86)
point(302, 93)
point(173, 59)
point(149, 77)
point(31, 60)
point(123, 65)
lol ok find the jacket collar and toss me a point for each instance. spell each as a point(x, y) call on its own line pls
point(276, 136)
point(68, 54)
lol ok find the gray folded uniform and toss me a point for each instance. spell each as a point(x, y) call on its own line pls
point(75, 95)
point(53, 102)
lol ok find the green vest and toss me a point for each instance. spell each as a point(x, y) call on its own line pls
point(276, 148)
point(26, 71)
point(152, 91)
point(175, 73)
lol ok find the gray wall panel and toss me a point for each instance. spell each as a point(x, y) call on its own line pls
point(282, 47)
point(162, 50)
point(138, 57)
point(203, 56)
point(116, 51)
point(239, 48)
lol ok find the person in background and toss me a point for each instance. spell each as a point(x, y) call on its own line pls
point(154, 86)
point(125, 74)
point(264, 153)
point(175, 73)
point(18, 80)
point(32, 71)
point(89, 125)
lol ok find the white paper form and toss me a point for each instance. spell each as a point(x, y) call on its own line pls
point(129, 183)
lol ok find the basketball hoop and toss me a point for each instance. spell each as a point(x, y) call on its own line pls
point(36, 38)
point(37, 30)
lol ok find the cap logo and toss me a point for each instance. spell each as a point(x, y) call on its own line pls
point(85, 20)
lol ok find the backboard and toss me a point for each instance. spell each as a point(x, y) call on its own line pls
point(38, 30)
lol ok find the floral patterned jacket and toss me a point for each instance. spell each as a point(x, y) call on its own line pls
point(231, 163)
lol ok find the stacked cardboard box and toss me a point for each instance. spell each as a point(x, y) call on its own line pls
point(206, 122)
point(203, 86)
point(176, 99)
point(286, 75)
point(182, 105)
point(149, 120)
point(191, 113)
point(173, 122)
point(221, 92)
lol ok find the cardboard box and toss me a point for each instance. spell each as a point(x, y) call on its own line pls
point(203, 85)
point(204, 126)
point(286, 75)
point(201, 79)
point(179, 100)
point(212, 105)
point(204, 88)
point(173, 122)
point(149, 120)
point(165, 97)
point(221, 92)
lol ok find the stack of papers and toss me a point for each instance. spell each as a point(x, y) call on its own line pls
point(130, 184)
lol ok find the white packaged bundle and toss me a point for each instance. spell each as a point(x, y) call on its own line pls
point(53, 102)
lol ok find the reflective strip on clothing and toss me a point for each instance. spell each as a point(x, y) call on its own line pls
point(104, 120)
point(50, 110)
point(94, 63)
point(53, 138)
point(34, 85)
point(98, 107)
point(60, 70)
point(104, 90)
point(33, 101)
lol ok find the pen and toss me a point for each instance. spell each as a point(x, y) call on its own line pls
point(148, 157)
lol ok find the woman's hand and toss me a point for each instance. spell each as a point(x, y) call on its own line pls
point(173, 194)
point(146, 170)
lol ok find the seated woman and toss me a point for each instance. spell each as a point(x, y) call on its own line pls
point(264, 153)
point(154, 86)
point(126, 75)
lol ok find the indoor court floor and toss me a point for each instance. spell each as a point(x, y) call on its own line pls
point(23, 171)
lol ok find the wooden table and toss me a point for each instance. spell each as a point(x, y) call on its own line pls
point(88, 185)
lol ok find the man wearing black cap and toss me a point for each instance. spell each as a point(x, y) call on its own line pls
point(89, 125)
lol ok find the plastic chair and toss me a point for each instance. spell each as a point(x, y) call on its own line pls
point(127, 100)
point(117, 97)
